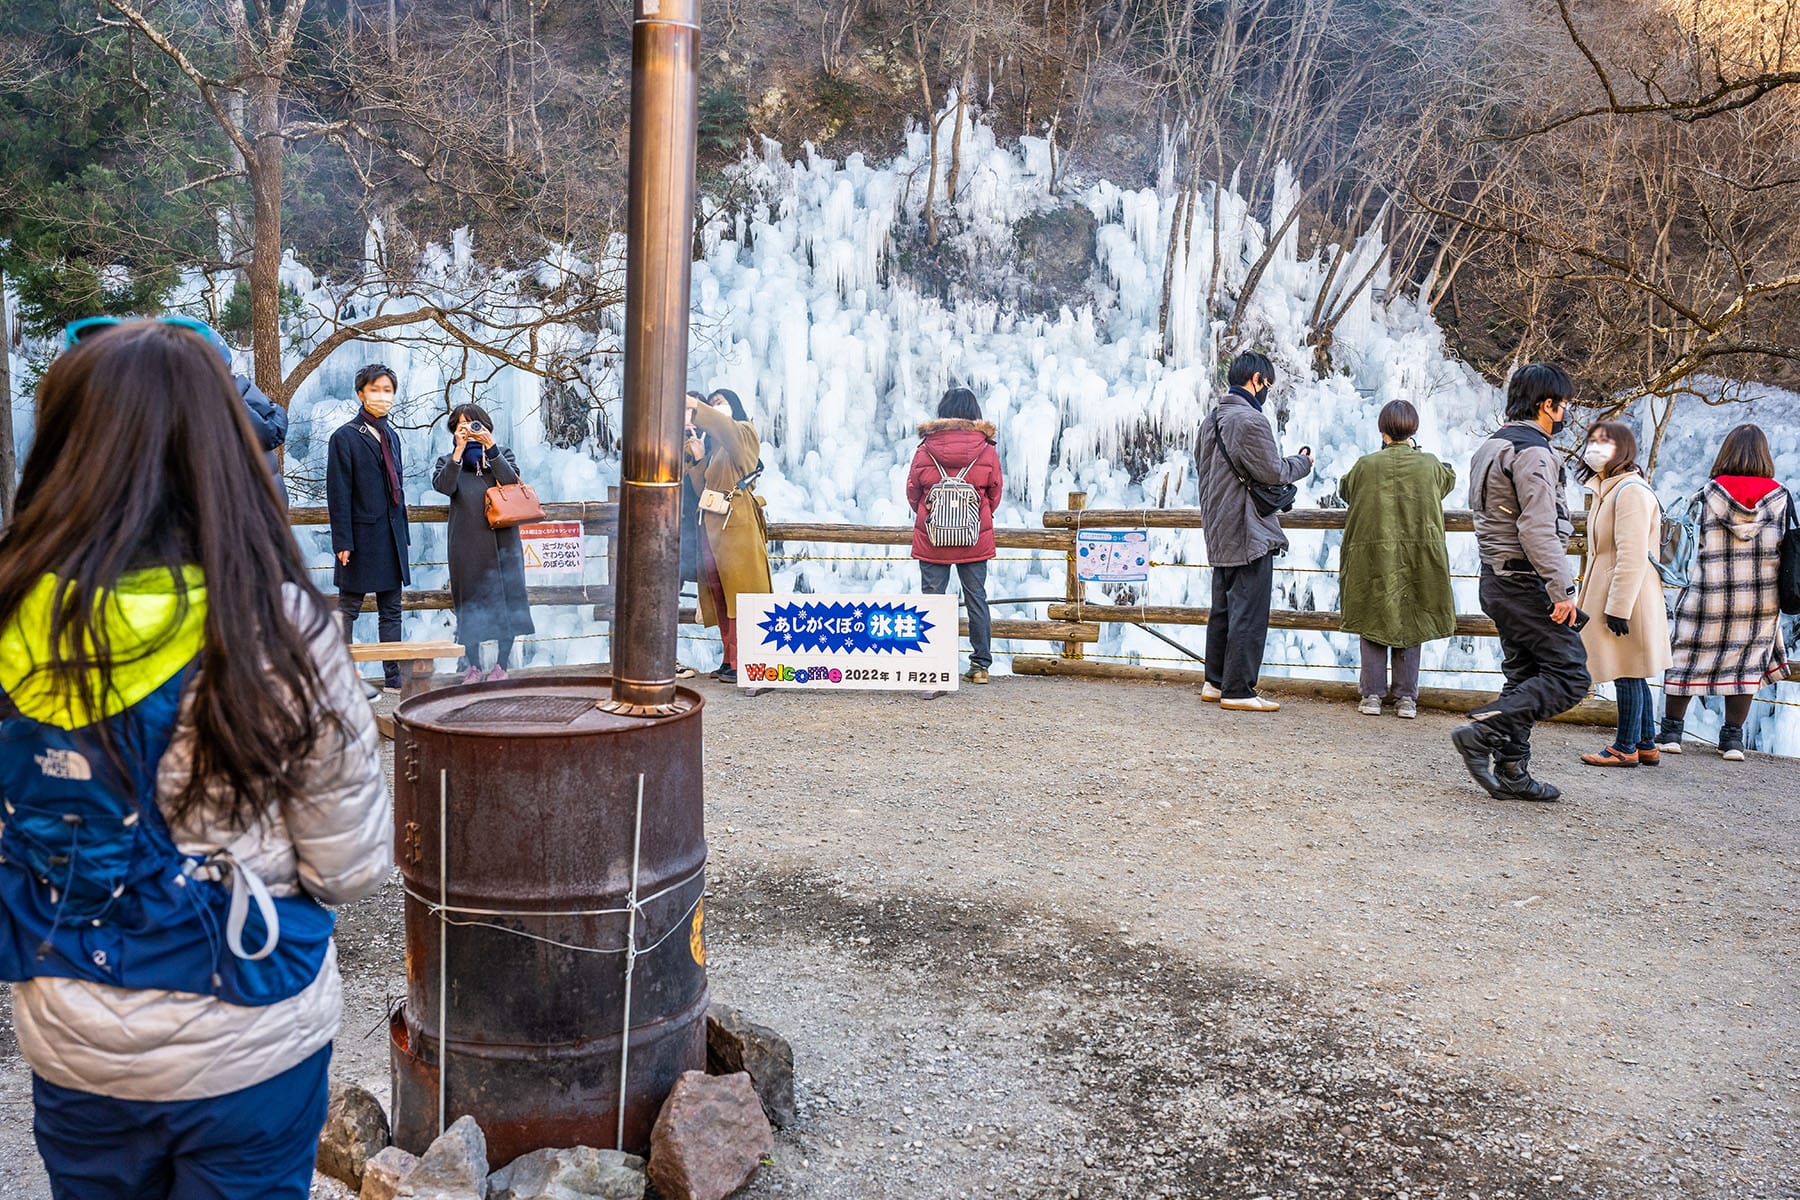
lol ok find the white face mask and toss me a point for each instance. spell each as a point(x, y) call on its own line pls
point(1598, 455)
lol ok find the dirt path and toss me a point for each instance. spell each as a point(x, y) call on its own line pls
point(1067, 938)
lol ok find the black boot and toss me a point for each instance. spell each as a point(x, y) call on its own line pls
point(1731, 742)
point(1476, 743)
point(1516, 782)
point(1668, 736)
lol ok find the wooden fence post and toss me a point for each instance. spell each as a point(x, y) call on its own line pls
point(1073, 588)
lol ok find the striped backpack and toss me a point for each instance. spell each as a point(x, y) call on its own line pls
point(952, 508)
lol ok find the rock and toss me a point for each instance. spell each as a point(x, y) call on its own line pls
point(709, 1138)
point(452, 1168)
point(356, 1129)
point(384, 1173)
point(735, 1043)
point(582, 1173)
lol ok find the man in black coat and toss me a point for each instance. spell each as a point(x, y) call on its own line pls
point(367, 501)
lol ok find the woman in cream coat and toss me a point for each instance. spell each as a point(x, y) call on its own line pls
point(1627, 634)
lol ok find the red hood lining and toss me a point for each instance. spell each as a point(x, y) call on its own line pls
point(1747, 490)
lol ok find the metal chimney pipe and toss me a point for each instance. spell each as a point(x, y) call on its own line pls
point(665, 69)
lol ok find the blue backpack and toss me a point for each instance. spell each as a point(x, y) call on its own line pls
point(93, 887)
point(1679, 543)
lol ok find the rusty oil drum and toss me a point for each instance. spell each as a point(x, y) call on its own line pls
point(541, 790)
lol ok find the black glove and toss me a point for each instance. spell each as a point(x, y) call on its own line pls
point(1619, 625)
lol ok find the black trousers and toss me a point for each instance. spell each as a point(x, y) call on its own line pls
point(935, 577)
point(387, 617)
point(1544, 663)
point(1238, 626)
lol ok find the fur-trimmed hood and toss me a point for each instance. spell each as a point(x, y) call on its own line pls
point(950, 424)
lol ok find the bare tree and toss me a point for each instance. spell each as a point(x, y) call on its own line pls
point(423, 132)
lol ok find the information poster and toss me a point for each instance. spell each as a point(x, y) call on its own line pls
point(554, 553)
point(1112, 555)
point(847, 643)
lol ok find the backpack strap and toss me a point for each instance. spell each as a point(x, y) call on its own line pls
point(942, 474)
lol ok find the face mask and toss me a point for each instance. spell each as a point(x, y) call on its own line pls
point(1597, 455)
point(377, 404)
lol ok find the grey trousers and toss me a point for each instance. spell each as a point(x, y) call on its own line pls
point(935, 577)
point(1375, 670)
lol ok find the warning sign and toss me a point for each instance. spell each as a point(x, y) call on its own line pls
point(554, 553)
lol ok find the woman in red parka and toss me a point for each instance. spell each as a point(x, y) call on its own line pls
point(958, 443)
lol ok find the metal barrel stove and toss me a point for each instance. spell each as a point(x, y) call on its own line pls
point(529, 879)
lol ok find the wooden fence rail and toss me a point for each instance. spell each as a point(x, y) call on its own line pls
point(1073, 621)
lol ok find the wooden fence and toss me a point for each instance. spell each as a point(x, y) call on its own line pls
point(1074, 620)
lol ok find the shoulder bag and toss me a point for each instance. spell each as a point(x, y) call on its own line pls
point(1787, 577)
point(510, 504)
point(1269, 498)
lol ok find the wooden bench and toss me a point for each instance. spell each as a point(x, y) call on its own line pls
point(422, 657)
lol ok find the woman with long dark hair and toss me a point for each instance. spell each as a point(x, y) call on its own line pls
point(1627, 634)
point(724, 457)
point(487, 565)
point(190, 768)
point(1727, 628)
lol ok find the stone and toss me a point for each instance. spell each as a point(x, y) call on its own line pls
point(734, 1043)
point(454, 1167)
point(356, 1129)
point(580, 1173)
point(385, 1172)
point(709, 1138)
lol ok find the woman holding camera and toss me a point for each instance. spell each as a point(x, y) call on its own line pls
point(1627, 634)
point(1394, 573)
point(724, 457)
point(487, 566)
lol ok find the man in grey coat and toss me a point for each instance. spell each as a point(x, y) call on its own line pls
point(1522, 529)
point(1237, 450)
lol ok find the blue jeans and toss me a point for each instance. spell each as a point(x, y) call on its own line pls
point(935, 577)
point(1637, 717)
point(258, 1141)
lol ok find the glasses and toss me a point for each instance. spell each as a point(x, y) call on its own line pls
point(76, 332)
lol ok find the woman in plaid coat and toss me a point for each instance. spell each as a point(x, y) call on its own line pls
point(1727, 628)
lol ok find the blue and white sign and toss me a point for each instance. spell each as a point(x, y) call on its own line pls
point(1112, 555)
point(839, 643)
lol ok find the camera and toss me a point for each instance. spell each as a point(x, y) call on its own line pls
point(477, 427)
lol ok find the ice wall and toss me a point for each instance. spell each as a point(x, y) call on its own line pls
point(803, 305)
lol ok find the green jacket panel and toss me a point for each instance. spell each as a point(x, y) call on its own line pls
point(1394, 568)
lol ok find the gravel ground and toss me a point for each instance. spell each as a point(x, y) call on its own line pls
point(1063, 938)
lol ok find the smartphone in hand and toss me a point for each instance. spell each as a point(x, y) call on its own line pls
point(1580, 622)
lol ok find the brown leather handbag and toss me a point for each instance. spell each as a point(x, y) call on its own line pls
point(510, 504)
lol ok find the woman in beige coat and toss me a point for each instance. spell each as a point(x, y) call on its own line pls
point(1627, 634)
point(723, 461)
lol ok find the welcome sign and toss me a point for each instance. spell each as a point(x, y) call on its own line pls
point(847, 643)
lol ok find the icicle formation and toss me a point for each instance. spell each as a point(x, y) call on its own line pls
point(809, 304)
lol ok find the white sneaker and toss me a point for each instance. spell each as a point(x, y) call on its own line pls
point(1210, 694)
point(1406, 710)
point(1370, 706)
point(1250, 704)
point(1669, 747)
point(1733, 756)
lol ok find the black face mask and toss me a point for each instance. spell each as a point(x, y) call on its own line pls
point(1556, 425)
point(1258, 397)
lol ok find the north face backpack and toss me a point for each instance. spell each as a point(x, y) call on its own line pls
point(952, 508)
point(93, 887)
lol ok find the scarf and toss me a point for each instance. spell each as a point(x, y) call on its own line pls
point(386, 432)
